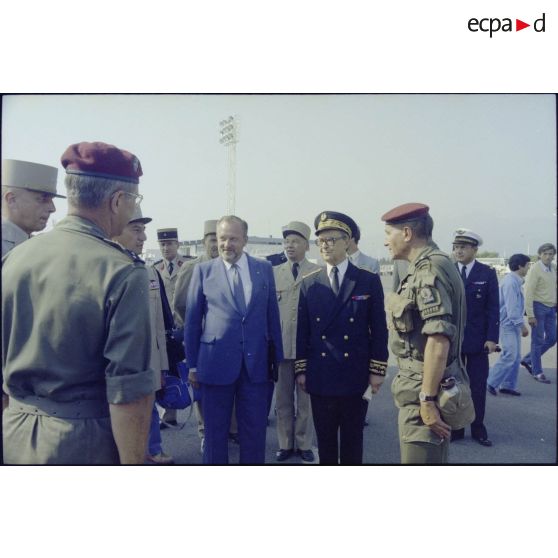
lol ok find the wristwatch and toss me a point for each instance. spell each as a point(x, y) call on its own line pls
point(423, 397)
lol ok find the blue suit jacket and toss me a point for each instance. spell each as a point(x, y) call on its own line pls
point(218, 337)
point(483, 308)
point(338, 336)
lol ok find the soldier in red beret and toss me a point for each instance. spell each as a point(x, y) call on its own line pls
point(75, 317)
point(426, 318)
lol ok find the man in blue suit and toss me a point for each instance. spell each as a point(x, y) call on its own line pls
point(231, 319)
point(482, 327)
point(341, 345)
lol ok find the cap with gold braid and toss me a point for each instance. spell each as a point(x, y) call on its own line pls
point(333, 220)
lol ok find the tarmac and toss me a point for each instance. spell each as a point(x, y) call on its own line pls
point(522, 429)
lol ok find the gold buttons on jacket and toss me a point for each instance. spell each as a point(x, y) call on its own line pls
point(351, 319)
point(346, 337)
point(317, 319)
point(323, 354)
point(323, 336)
point(346, 355)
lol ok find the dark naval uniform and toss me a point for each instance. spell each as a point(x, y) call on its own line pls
point(429, 300)
point(483, 324)
point(340, 341)
point(75, 338)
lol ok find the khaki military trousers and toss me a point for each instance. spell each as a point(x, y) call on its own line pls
point(292, 432)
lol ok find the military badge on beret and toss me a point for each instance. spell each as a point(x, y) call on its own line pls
point(323, 216)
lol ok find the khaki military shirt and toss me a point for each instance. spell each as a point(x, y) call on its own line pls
point(288, 291)
point(181, 289)
point(169, 280)
point(75, 317)
point(429, 300)
point(12, 235)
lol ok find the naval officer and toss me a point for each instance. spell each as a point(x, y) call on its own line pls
point(341, 344)
point(482, 327)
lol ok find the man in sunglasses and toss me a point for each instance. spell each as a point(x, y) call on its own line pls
point(341, 345)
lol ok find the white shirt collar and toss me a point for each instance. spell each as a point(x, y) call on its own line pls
point(341, 268)
point(242, 263)
point(467, 267)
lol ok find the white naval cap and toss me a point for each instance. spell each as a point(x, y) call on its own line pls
point(467, 236)
point(31, 176)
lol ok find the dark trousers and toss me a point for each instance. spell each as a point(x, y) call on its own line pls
point(251, 415)
point(477, 370)
point(339, 418)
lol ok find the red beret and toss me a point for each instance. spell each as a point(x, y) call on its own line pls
point(405, 212)
point(103, 160)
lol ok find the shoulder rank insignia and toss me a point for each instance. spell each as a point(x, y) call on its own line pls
point(426, 295)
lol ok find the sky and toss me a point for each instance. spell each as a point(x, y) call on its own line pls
point(484, 162)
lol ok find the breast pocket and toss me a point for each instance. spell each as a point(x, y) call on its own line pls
point(400, 313)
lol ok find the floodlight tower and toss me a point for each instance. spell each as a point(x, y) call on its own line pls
point(228, 130)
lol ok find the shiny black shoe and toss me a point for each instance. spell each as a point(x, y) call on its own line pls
point(306, 455)
point(491, 390)
point(528, 366)
point(510, 392)
point(284, 454)
point(483, 441)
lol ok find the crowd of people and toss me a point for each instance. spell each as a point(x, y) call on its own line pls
point(90, 333)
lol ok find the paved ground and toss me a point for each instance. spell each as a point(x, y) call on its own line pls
point(523, 429)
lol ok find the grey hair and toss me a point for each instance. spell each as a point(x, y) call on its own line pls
point(422, 226)
point(234, 219)
point(93, 191)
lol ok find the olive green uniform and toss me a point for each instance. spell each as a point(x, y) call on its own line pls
point(75, 338)
point(430, 300)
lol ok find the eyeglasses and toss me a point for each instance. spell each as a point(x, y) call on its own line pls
point(138, 197)
point(330, 241)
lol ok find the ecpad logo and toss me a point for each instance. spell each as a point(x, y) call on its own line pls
point(493, 25)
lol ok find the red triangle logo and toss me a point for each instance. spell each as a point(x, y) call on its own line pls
point(519, 25)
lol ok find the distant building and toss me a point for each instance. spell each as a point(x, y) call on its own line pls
point(258, 246)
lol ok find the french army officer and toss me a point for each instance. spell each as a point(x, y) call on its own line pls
point(292, 431)
point(341, 345)
point(76, 340)
point(426, 317)
point(28, 190)
point(482, 327)
point(132, 238)
point(172, 261)
point(168, 268)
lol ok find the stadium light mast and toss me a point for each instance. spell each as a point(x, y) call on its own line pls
point(228, 129)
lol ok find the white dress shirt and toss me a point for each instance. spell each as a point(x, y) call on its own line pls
point(341, 267)
point(467, 267)
point(244, 271)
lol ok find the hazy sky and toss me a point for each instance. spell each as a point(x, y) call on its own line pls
point(485, 162)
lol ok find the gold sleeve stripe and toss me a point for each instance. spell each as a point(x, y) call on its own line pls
point(301, 365)
point(377, 367)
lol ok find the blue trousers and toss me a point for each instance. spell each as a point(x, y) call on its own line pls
point(504, 372)
point(251, 415)
point(543, 335)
